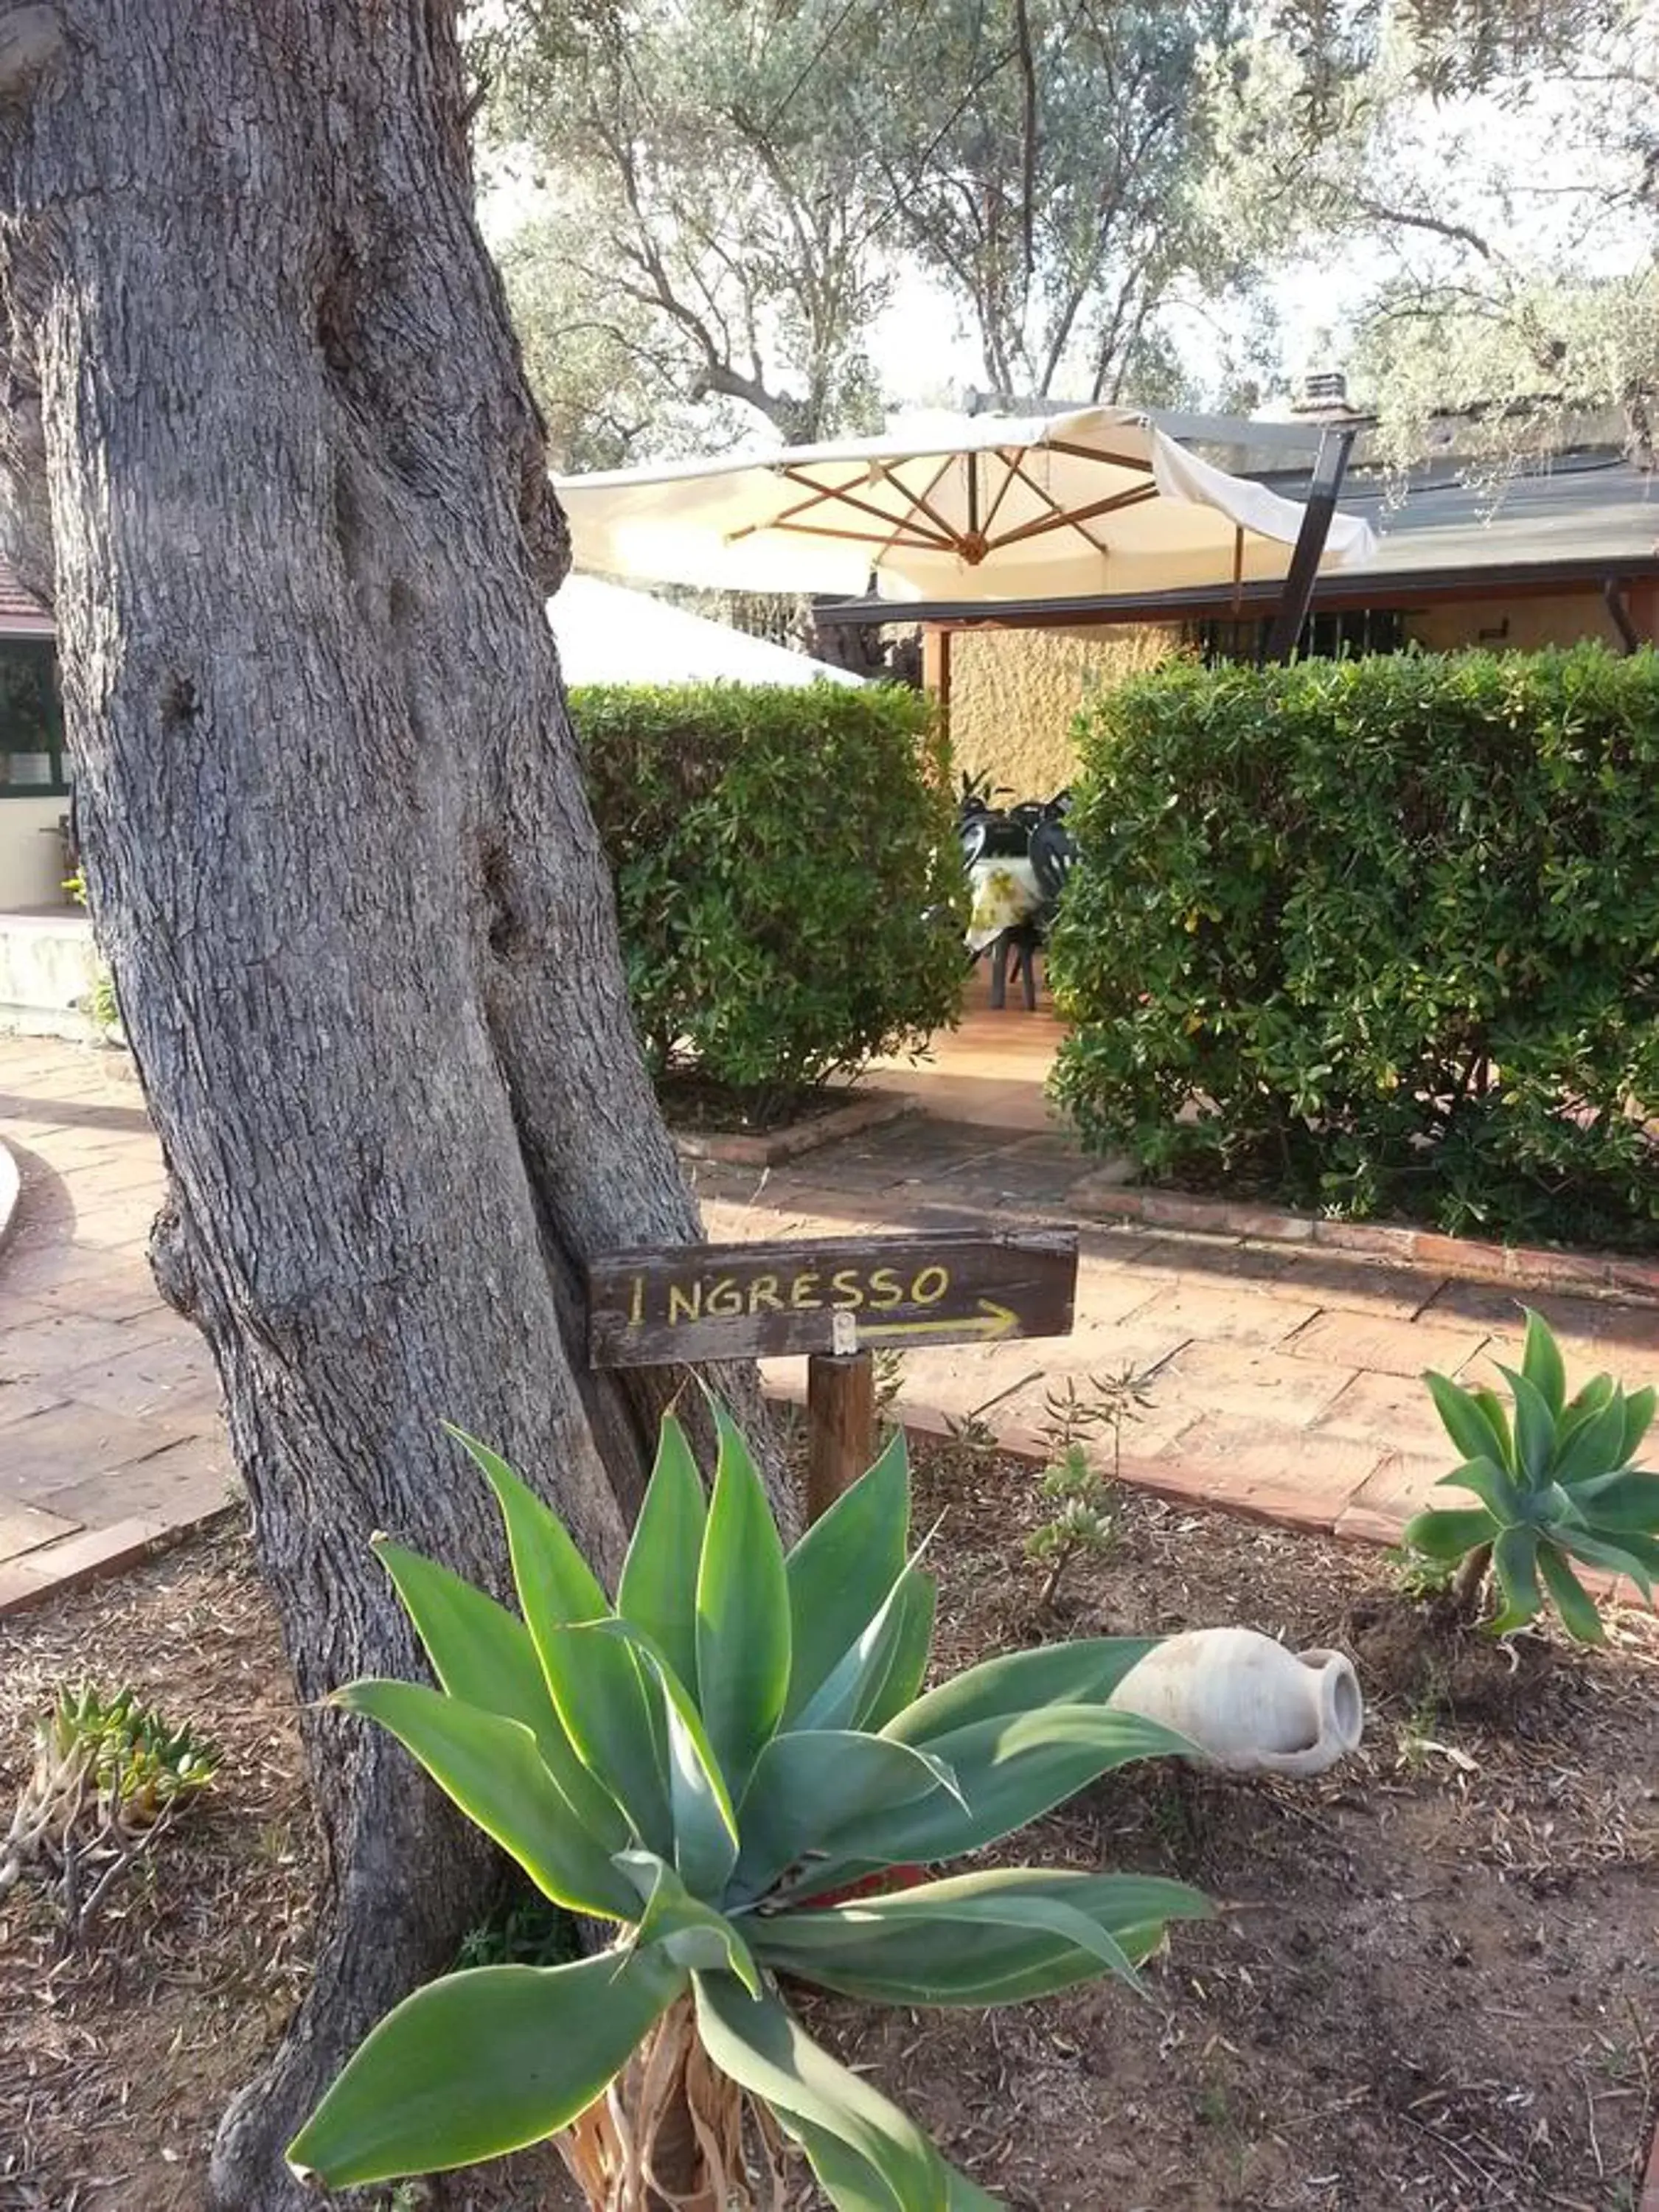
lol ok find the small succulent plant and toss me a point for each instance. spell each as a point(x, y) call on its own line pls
point(1556, 1483)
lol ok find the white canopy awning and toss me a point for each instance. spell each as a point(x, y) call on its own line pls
point(962, 508)
point(608, 634)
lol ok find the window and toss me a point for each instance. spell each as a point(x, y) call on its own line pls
point(32, 763)
point(1324, 637)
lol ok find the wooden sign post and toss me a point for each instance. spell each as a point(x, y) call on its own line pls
point(836, 1300)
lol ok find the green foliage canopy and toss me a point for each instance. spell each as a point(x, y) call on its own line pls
point(788, 880)
point(1383, 933)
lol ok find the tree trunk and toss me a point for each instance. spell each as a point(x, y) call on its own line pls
point(336, 842)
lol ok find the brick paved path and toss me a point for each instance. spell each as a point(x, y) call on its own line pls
point(110, 1433)
point(1284, 1381)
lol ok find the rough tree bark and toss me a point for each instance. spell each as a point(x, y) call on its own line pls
point(265, 408)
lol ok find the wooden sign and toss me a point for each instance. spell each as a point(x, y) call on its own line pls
point(683, 1304)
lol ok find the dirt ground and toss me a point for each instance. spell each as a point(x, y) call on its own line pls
point(1433, 1982)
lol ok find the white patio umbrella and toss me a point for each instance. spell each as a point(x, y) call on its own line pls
point(608, 634)
point(978, 507)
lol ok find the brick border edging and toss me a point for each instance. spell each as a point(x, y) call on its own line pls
point(1180, 1480)
point(94, 1555)
point(11, 1194)
point(1650, 2187)
point(1523, 1266)
point(777, 1145)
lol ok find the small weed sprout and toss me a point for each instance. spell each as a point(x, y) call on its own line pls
point(1079, 1493)
point(1419, 1578)
point(971, 1439)
point(110, 1777)
point(98, 1006)
point(1419, 1729)
point(889, 1367)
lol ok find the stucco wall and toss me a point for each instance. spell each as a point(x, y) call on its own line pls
point(1013, 694)
point(1521, 625)
point(31, 858)
point(47, 972)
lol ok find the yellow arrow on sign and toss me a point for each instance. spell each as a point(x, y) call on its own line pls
point(994, 1321)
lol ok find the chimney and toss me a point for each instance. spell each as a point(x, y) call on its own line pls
point(1322, 390)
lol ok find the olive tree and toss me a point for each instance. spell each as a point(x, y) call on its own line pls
point(269, 453)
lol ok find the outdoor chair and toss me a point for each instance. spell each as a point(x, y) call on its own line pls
point(1022, 944)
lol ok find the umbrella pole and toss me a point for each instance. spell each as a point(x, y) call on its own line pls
point(1330, 466)
point(936, 672)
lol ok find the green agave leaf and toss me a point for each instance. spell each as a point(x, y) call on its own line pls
point(812, 1790)
point(483, 1655)
point(1466, 1420)
point(850, 2183)
point(995, 1937)
point(1084, 1672)
point(1010, 1769)
point(893, 1685)
point(1449, 1533)
point(1515, 1561)
point(1594, 1395)
point(1497, 1418)
point(962, 2195)
point(1579, 1616)
point(1625, 1498)
point(556, 1584)
point(691, 1933)
point(705, 1828)
point(1638, 1419)
point(481, 2063)
point(1623, 1502)
point(605, 1704)
point(866, 1669)
point(761, 2046)
point(1593, 1445)
point(1534, 1430)
point(657, 1591)
point(1492, 1486)
point(1616, 1558)
point(742, 1628)
point(597, 1690)
point(853, 2185)
point(842, 1569)
point(1543, 1364)
point(491, 1766)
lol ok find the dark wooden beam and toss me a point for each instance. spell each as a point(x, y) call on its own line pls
point(1613, 596)
point(1329, 469)
point(1339, 591)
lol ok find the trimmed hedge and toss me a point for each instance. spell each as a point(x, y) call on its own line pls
point(1387, 930)
point(775, 853)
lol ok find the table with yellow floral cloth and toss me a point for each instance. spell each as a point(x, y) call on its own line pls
point(1003, 893)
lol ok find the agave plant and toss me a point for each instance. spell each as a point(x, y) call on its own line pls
point(727, 1765)
point(1555, 1484)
